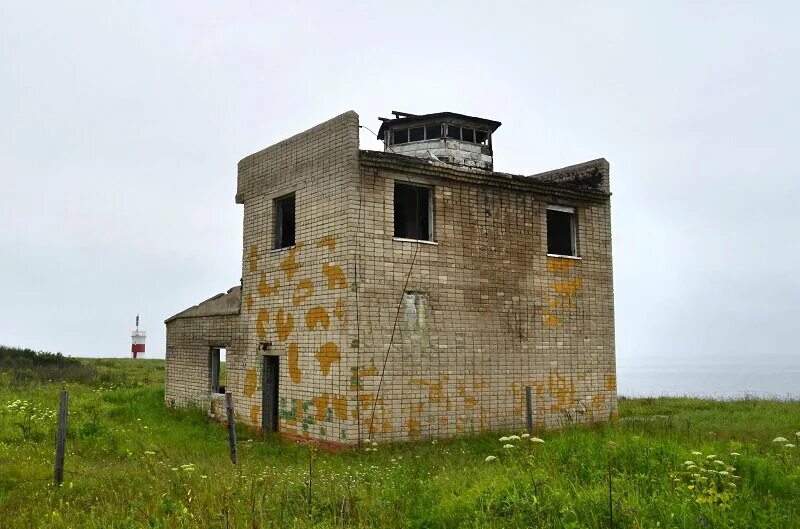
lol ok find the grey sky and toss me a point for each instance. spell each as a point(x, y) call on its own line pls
point(121, 126)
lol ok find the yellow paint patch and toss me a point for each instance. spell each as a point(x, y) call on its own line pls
point(549, 319)
point(340, 310)
point(611, 383)
point(320, 406)
point(315, 316)
point(470, 402)
point(327, 355)
point(289, 265)
point(250, 382)
point(414, 427)
point(569, 287)
point(562, 391)
point(329, 242)
point(253, 258)
point(284, 323)
point(335, 276)
point(261, 323)
point(294, 369)
point(340, 407)
point(303, 291)
point(248, 301)
point(264, 288)
point(255, 415)
point(557, 265)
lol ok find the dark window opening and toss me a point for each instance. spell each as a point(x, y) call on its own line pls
point(284, 222)
point(219, 369)
point(482, 137)
point(416, 134)
point(400, 136)
point(433, 132)
point(561, 232)
point(468, 134)
point(454, 131)
point(412, 212)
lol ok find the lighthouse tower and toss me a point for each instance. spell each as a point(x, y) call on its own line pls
point(137, 341)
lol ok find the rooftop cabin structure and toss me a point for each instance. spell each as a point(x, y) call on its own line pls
point(445, 136)
point(393, 296)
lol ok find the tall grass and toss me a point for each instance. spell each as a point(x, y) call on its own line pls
point(132, 462)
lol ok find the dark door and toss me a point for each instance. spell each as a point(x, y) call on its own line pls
point(269, 394)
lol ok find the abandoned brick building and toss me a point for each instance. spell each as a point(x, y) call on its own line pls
point(411, 293)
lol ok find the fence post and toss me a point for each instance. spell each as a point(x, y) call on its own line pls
point(231, 427)
point(61, 438)
point(529, 409)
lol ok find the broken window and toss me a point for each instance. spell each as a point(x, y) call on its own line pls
point(416, 134)
point(219, 370)
point(413, 212)
point(284, 221)
point(454, 131)
point(433, 132)
point(400, 136)
point(561, 232)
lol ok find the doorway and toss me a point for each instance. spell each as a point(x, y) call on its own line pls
point(269, 393)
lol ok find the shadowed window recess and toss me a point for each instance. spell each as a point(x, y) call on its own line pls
point(413, 212)
point(219, 371)
point(284, 221)
point(561, 231)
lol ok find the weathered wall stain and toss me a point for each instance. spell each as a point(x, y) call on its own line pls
point(253, 258)
point(264, 288)
point(329, 242)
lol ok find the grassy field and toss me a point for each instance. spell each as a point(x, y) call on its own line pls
point(133, 463)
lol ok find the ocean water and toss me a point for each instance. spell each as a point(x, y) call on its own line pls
point(731, 380)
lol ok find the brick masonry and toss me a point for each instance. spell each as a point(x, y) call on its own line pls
point(393, 340)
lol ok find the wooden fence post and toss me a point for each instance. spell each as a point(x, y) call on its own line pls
point(61, 438)
point(529, 409)
point(231, 427)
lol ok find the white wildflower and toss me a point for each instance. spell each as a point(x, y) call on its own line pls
point(780, 440)
point(723, 473)
point(489, 459)
point(536, 440)
point(735, 454)
point(504, 439)
point(696, 453)
point(507, 446)
point(719, 462)
point(526, 435)
point(513, 437)
point(789, 445)
point(688, 463)
point(712, 456)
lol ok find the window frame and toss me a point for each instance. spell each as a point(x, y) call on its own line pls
point(277, 232)
point(573, 231)
point(431, 211)
point(215, 369)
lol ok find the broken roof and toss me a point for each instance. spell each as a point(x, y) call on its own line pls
point(588, 180)
point(410, 119)
point(222, 304)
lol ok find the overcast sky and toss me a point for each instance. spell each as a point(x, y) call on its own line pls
point(121, 126)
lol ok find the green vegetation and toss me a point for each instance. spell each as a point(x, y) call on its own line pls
point(131, 463)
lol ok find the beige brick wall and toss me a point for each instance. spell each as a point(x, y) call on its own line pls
point(498, 313)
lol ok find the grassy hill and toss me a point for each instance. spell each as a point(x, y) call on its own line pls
point(131, 462)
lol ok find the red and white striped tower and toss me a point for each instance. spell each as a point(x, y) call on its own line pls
point(137, 341)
